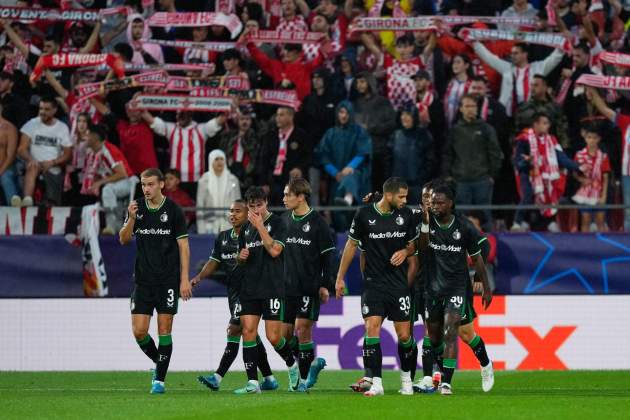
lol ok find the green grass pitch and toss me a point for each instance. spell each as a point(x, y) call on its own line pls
point(125, 395)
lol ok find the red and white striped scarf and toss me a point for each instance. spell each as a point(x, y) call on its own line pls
point(544, 169)
point(523, 81)
point(485, 107)
point(282, 151)
point(591, 167)
point(90, 171)
point(423, 103)
point(454, 92)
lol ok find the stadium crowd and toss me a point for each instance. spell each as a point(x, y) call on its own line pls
point(507, 120)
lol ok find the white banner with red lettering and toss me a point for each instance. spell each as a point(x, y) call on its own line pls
point(192, 19)
point(521, 332)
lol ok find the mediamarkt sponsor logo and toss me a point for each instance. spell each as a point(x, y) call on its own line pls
point(253, 244)
point(228, 256)
point(387, 235)
point(442, 247)
point(153, 231)
point(299, 241)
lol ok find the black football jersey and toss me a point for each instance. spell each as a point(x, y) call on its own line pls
point(225, 252)
point(263, 276)
point(380, 235)
point(308, 238)
point(445, 260)
point(157, 231)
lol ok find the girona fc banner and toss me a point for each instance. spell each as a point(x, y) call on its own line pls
point(520, 332)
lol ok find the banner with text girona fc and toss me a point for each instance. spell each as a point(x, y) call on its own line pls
point(521, 332)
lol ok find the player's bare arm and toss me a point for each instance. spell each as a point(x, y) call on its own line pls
point(208, 269)
point(346, 259)
point(185, 289)
point(480, 269)
point(272, 247)
point(399, 257)
point(126, 233)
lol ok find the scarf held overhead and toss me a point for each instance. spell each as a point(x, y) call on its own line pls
point(66, 60)
point(604, 82)
point(181, 103)
point(540, 38)
point(193, 19)
point(150, 79)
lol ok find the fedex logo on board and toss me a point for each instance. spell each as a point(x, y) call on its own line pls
point(512, 345)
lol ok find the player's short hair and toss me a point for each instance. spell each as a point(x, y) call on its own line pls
point(299, 186)
point(255, 193)
point(175, 172)
point(394, 184)
point(148, 173)
point(240, 202)
point(523, 47)
point(444, 187)
point(428, 185)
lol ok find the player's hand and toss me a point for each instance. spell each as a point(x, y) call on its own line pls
point(185, 290)
point(347, 171)
point(244, 254)
point(323, 294)
point(255, 219)
point(132, 209)
point(195, 280)
point(399, 257)
point(486, 298)
point(46, 165)
point(340, 287)
point(478, 288)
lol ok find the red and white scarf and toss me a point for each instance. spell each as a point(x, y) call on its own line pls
point(485, 108)
point(616, 59)
point(39, 14)
point(540, 38)
point(591, 167)
point(545, 171)
point(399, 24)
point(284, 37)
point(520, 78)
point(150, 79)
point(65, 60)
point(181, 103)
point(194, 19)
point(283, 146)
point(209, 46)
point(454, 92)
point(604, 82)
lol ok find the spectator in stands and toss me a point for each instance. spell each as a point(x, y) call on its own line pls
point(375, 114)
point(45, 147)
point(75, 170)
point(542, 102)
point(346, 154)
point(8, 153)
point(134, 136)
point(15, 107)
point(138, 33)
point(291, 20)
point(218, 188)
point(290, 73)
point(517, 74)
point(538, 158)
point(172, 179)
point(519, 9)
point(623, 122)
point(241, 147)
point(430, 113)
point(595, 166)
point(413, 152)
point(472, 156)
point(457, 87)
point(109, 173)
point(286, 152)
point(186, 135)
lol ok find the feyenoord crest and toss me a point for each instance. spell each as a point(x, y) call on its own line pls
point(164, 217)
point(400, 221)
point(306, 227)
point(365, 309)
point(456, 235)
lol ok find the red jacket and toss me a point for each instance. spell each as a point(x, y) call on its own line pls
point(298, 72)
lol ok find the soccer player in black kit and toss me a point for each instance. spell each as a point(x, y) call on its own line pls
point(309, 261)
point(224, 256)
point(445, 241)
point(261, 246)
point(387, 234)
point(161, 269)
